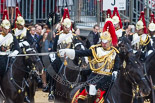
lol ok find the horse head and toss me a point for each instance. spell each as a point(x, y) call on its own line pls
point(132, 68)
point(80, 61)
point(33, 61)
point(124, 47)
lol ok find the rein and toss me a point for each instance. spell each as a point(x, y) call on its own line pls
point(21, 88)
point(24, 81)
point(63, 66)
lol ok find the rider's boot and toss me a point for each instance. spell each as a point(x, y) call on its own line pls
point(46, 88)
point(51, 96)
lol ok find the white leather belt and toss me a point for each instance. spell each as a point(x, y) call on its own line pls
point(4, 53)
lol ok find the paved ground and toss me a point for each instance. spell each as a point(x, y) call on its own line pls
point(42, 97)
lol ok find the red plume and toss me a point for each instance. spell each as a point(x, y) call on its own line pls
point(17, 14)
point(65, 15)
point(115, 12)
point(143, 20)
point(152, 18)
point(109, 13)
point(5, 15)
point(110, 28)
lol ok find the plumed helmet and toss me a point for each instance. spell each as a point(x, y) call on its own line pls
point(67, 22)
point(5, 20)
point(6, 24)
point(151, 27)
point(5, 15)
point(152, 23)
point(116, 17)
point(109, 33)
point(20, 20)
point(66, 19)
point(109, 16)
point(141, 24)
point(105, 37)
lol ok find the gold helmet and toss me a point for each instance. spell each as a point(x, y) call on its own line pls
point(152, 23)
point(6, 24)
point(109, 33)
point(5, 20)
point(20, 20)
point(105, 37)
point(116, 17)
point(152, 27)
point(67, 22)
point(139, 25)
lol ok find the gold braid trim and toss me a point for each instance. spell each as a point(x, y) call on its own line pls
point(101, 59)
point(101, 101)
point(82, 97)
point(74, 98)
point(144, 42)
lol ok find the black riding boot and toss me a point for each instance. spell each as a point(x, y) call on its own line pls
point(51, 96)
point(46, 89)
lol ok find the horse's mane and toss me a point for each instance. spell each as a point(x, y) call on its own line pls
point(126, 40)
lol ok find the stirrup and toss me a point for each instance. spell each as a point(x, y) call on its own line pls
point(51, 97)
point(26, 99)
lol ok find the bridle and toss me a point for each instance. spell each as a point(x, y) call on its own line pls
point(73, 84)
point(31, 69)
point(127, 74)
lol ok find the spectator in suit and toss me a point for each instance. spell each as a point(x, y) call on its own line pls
point(93, 36)
point(33, 38)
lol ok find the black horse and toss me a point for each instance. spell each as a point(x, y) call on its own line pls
point(15, 80)
point(150, 71)
point(130, 76)
point(70, 75)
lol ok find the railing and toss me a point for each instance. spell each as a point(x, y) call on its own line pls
point(138, 6)
point(83, 12)
point(32, 10)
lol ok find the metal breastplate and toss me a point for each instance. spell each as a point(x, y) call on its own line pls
point(63, 46)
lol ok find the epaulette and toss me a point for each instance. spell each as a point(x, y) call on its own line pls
point(123, 30)
point(93, 46)
point(74, 34)
point(59, 32)
point(13, 29)
point(27, 28)
point(131, 33)
point(73, 31)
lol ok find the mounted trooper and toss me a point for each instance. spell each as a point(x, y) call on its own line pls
point(63, 39)
point(8, 44)
point(20, 32)
point(118, 24)
point(103, 61)
point(151, 29)
point(141, 40)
